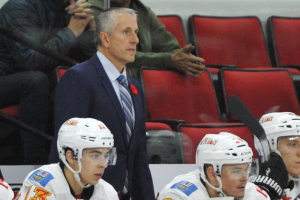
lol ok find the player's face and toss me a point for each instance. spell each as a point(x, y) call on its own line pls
point(93, 164)
point(234, 179)
point(123, 40)
point(289, 148)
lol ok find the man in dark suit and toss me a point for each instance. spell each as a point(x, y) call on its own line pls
point(92, 89)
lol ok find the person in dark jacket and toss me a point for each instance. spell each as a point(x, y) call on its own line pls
point(157, 47)
point(24, 72)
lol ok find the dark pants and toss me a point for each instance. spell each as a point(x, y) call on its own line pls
point(30, 90)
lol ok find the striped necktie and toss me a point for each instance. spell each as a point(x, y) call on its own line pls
point(126, 103)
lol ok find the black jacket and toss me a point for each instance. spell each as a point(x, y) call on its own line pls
point(43, 21)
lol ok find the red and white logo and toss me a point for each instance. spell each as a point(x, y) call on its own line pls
point(102, 126)
point(210, 141)
point(71, 123)
point(266, 119)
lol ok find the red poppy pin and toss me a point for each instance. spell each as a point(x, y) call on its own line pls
point(133, 89)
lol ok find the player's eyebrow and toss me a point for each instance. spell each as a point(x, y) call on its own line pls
point(236, 167)
point(294, 139)
point(95, 151)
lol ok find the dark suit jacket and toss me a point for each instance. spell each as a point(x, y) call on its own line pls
point(86, 91)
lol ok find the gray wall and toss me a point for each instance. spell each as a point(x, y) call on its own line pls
point(261, 8)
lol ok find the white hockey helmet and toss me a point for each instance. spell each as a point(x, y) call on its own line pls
point(81, 133)
point(220, 149)
point(280, 124)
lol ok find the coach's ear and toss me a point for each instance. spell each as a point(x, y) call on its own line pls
point(105, 38)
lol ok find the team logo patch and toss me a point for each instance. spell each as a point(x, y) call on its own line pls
point(41, 177)
point(186, 187)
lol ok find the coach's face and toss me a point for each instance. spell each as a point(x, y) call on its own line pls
point(121, 43)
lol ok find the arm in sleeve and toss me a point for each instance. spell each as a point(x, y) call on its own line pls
point(5, 191)
point(273, 176)
point(142, 184)
point(97, 7)
point(168, 193)
point(35, 192)
point(163, 44)
point(32, 23)
point(73, 98)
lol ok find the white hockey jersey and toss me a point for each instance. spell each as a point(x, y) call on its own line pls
point(6, 192)
point(189, 187)
point(293, 194)
point(49, 183)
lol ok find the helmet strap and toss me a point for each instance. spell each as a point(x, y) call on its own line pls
point(219, 189)
point(77, 178)
point(76, 173)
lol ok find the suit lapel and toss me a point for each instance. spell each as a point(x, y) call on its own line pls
point(106, 84)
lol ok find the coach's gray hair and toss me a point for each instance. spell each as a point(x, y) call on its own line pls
point(107, 21)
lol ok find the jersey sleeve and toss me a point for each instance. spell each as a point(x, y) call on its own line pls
point(172, 194)
point(182, 190)
point(5, 191)
point(34, 187)
point(255, 192)
point(261, 194)
point(35, 192)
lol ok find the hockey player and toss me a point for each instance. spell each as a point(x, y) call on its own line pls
point(85, 147)
point(223, 162)
point(6, 192)
point(283, 134)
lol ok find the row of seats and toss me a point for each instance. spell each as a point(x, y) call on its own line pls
point(236, 42)
point(171, 95)
point(192, 106)
point(174, 100)
point(240, 41)
point(179, 146)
